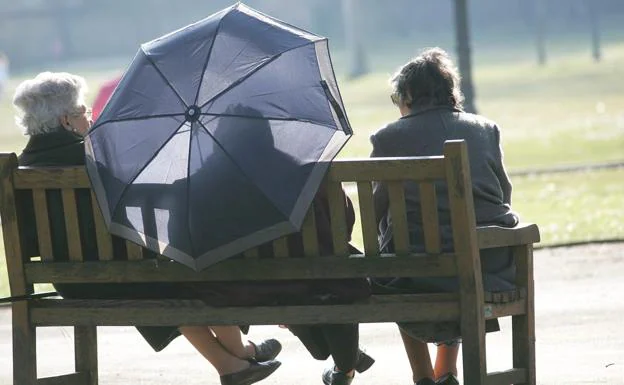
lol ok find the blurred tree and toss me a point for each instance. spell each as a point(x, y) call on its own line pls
point(462, 30)
point(358, 65)
point(594, 25)
point(538, 25)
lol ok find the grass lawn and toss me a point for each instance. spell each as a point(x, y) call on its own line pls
point(569, 112)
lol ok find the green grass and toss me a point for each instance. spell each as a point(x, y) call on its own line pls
point(569, 112)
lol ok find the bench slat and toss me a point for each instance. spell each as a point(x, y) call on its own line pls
point(399, 169)
point(135, 252)
point(338, 220)
point(310, 235)
point(496, 310)
point(104, 239)
point(367, 218)
point(51, 178)
point(497, 236)
point(79, 378)
point(247, 269)
point(71, 224)
point(431, 224)
point(414, 308)
point(511, 376)
point(43, 224)
point(280, 247)
point(400, 234)
point(251, 253)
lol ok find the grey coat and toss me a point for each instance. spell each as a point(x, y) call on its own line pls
point(422, 133)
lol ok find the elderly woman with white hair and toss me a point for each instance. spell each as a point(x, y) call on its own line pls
point(54, 115)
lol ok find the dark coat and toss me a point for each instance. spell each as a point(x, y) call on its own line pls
point(423, 133)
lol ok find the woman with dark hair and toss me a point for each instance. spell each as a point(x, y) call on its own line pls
point(55, 117)
point(427, 93)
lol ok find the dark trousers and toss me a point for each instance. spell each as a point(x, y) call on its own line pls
point(341, 341)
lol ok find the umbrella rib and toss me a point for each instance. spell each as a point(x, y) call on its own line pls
point(164, 78)
point(188, 190)
point(201, 81)
point(136, 118)
point(242, 79)
point(143, 168)
point(239, 167)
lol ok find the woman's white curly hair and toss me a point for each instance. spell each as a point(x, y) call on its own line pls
point(42, 101)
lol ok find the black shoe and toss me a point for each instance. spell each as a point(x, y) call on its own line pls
point(364, 362)
point(332, 377)
point(448, 379)
point(425, 381)
point(256, 371)
point(267, 350)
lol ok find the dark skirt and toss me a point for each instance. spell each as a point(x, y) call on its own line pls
point(498, 272)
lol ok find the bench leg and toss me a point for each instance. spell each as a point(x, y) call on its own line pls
point(473, 356)
point(524, 325)
point(85, 352)
point(24, 346)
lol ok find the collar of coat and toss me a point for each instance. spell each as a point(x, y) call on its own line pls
point(417, 110)
point(58, 137)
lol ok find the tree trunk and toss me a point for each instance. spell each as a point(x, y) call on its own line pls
point(462, 37)
point(540, 40)
point(594, 24)
point(355, 50)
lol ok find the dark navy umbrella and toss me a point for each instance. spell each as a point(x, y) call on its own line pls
point(217, 137)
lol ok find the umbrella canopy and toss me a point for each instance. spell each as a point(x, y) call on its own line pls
point(217, 137)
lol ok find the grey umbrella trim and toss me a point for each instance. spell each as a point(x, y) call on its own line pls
point(337, 141)
point(211, 257)
point(96, 182)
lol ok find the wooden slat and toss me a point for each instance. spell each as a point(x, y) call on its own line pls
point(431, 223)
point(336, 198)
point(43, 224)
point(85, 352)
point(523, 326)
point(135, 252)
point(66, 379)
point(400, 233)
point(504, 296)
point(246, 269)
point(512, 376)
point(10, 229)
point(104, 239)
point(251, 253)
point(310, 235)
point(468, 262)
point(387, 169)
point(497, 310)
point(23, 333)
point(51, 178)
point(24, 344)
point(387, 308)
point(71, 224)
point(280, 247)
point(368, 219)
point(497, 236)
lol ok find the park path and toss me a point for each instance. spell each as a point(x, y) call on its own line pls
point(580, 314)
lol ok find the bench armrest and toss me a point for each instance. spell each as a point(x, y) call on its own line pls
point(497, 236)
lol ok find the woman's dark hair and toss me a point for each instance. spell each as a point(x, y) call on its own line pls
point(430, 79)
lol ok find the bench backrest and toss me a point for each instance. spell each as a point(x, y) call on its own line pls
point(140, 265)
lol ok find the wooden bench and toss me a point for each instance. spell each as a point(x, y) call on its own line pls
point(471, 306)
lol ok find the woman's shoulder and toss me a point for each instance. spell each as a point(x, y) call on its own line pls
point(475, 120)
